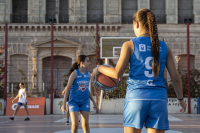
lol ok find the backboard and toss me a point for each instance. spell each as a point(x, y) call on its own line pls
point(110, 47)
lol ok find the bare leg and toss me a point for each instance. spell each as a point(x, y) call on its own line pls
point(75, 121)
point(131, 130)
point(26, 108)
point(67, 112)
point(151, 130)
point(85, 121)
point(17, 108)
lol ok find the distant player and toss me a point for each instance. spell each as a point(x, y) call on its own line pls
point(146, 95)
point(21, 102)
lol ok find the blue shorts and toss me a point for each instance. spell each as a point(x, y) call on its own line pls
point(148, 113)
point(78, 106)
point(22, 104)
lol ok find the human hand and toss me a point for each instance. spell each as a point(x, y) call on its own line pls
point(95, 73)
point(63, 109)
point(63, 92)
point(183, 105)
point(95, 106)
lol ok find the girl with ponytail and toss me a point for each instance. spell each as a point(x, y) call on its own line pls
point(146, 96)
point(79, 95)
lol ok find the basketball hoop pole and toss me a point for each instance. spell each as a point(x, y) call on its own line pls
point(97, 55)
point(5, 71)
point(188, 65)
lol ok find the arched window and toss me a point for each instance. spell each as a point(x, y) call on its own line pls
point(94, 11)
point(185, 11)
point(20, 9)
point(129, 7)
point(158, 8)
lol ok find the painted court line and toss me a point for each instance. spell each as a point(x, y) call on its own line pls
point(4, 122)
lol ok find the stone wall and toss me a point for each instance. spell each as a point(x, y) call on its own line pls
point(34, 41)
point(112, 10)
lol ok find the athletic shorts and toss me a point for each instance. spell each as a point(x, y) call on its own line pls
point(77, 106)
point(148, 113)
point(22, 104)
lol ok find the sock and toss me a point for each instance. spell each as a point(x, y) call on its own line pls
point(13, 115)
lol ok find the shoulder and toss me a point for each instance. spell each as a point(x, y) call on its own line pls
point(128, 47)
point(74, 72)
point(128, 43)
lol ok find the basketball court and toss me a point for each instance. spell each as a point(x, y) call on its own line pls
point(99, 123)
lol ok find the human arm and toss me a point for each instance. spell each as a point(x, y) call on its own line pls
point(67, 88)
point(15, 98)
point(170, 64)
point(118, 71)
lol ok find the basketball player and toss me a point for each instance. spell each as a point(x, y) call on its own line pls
point(79, 95)
point(146, 95)
point(21, 102)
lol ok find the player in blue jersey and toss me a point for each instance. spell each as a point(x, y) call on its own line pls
point(79, 95)
point(146, 96)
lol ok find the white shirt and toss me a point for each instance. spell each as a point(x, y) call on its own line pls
point(22, 96)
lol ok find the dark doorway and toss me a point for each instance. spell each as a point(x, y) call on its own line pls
point(61, 67)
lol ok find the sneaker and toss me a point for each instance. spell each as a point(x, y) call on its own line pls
point(67, 123)
point(27, 119)
point(12, 118)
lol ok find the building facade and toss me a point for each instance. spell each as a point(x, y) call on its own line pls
point(29, 34)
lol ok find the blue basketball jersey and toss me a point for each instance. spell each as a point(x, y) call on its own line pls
point(79, 91)
point(142, 85)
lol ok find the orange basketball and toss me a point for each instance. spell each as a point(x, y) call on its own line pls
point(107, 81)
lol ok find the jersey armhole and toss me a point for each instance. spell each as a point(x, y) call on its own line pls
point(133, 48)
